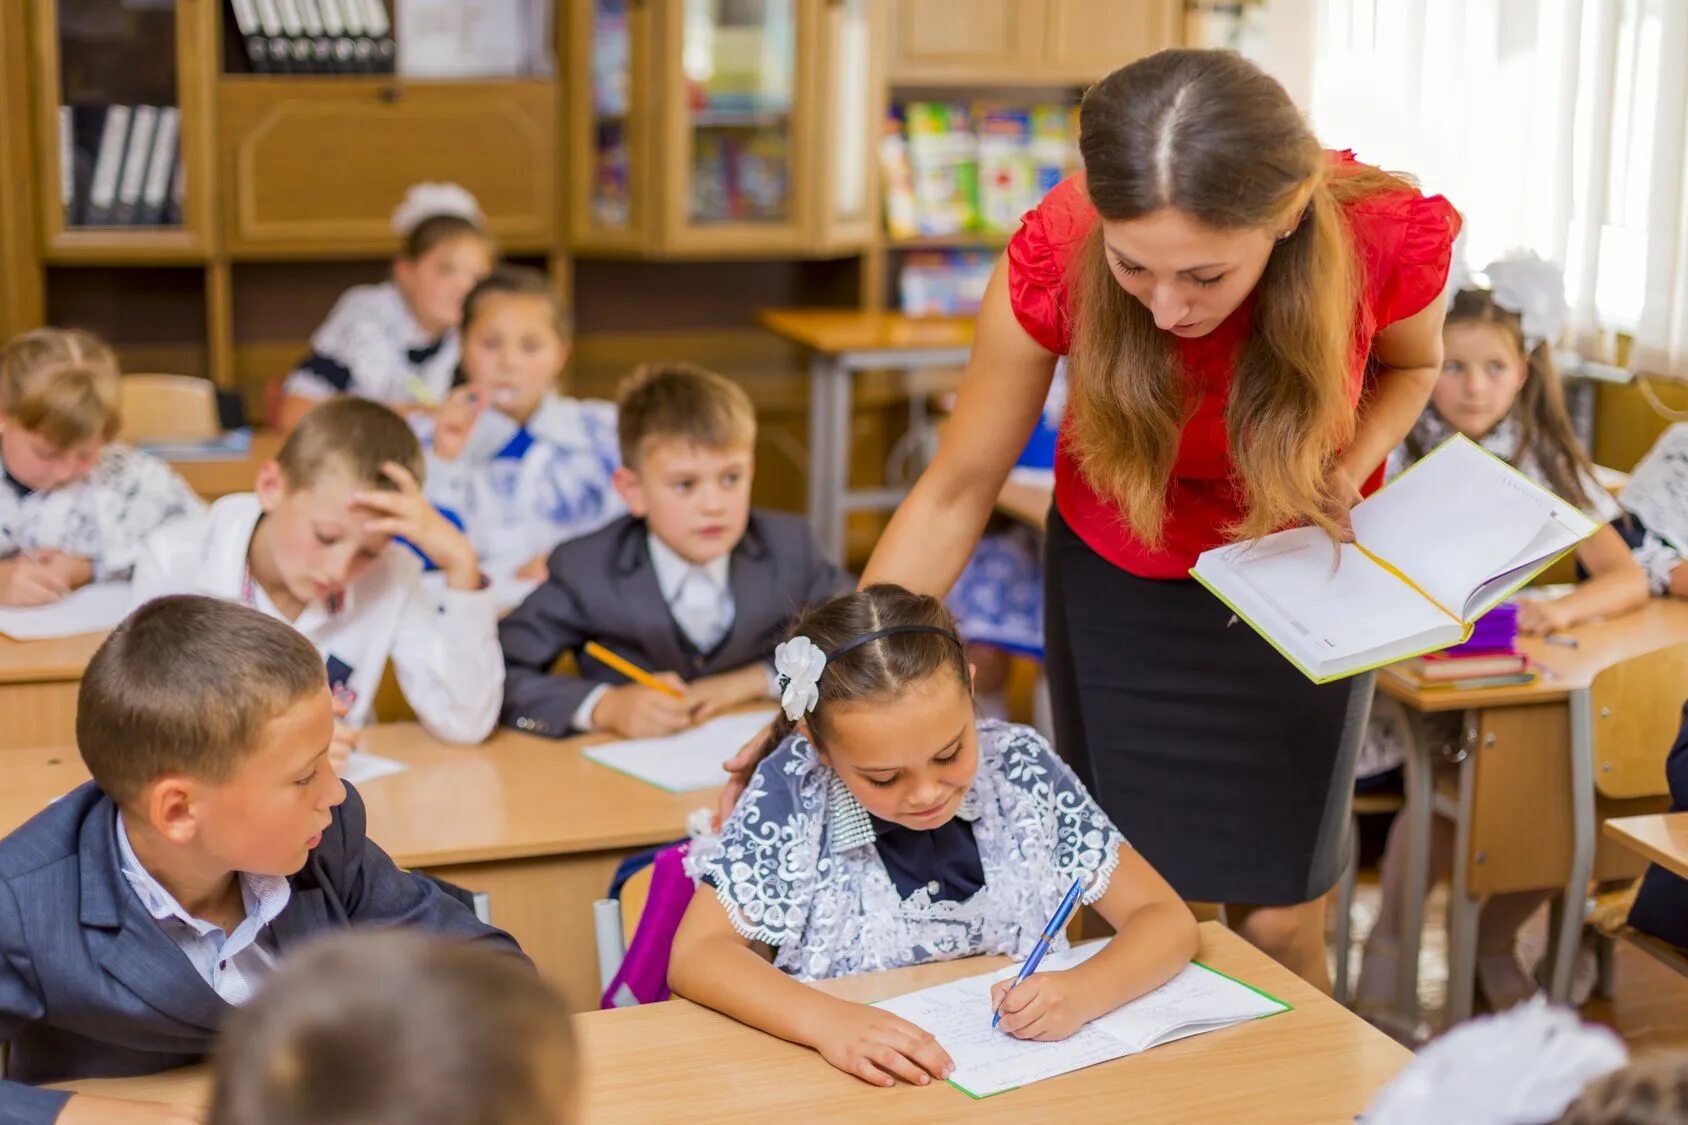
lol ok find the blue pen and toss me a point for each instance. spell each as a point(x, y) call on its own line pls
point(1062, 913)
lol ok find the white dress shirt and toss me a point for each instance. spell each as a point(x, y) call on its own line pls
point(443, 643)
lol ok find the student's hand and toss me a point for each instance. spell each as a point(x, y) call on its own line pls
point(879, 1047)
point(1539, 616)
point(75, 570)
point(636, 711)
point(87, 1109)
point(739, 768)
point(407, 512)
point(456, 417)
point(712, 695)
point(1345, 493)
point(536, 569)
point(346, 739)
point(1046, 1006)
point(24, 582)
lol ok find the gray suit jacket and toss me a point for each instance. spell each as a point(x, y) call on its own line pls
point(91, 986)
point(602, 587)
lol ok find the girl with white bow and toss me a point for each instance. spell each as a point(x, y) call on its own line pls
point(1499, 387)
point(885, 826)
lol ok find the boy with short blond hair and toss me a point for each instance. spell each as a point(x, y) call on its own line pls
point(693, 584)
point(141, 908)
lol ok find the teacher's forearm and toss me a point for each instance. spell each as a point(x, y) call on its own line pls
point(1398, 398)
point(933, 534)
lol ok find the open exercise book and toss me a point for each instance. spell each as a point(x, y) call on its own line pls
point(92, 609)
point(989, 1060)
point(684, 762)
point(1441, 545)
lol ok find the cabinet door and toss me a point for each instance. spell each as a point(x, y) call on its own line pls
point(849, 68)
point(610, 96)
point(314, 166)
point(736, 114)
point(122, 129)
point(1084, 40)
point(959, 40)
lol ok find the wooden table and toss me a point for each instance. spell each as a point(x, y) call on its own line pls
point(214, 479)
point(842, 342)
point(1513, 802)
point(679, 1062)
point(38, 685)
point(529, 821)
point(1661, 838)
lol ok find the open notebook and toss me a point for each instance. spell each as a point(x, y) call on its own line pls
point(684, 762)
point(989, 1060)
point(1442, 544)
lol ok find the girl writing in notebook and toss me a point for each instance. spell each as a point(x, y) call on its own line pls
point(884, 827)
point(521, 465)
point(1499, 388)
point(397, 342)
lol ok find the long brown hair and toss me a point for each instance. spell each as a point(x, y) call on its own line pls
point(880, 668)
point(1212, 135)
point(1544, 423)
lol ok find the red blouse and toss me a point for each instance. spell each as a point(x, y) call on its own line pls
point(1405, 241)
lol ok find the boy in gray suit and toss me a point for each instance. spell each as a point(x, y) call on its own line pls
point(137, 911)
point(692, 585)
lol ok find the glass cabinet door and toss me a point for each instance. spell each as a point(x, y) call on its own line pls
point(609, 86)
point(850, 78)
point(117, 132)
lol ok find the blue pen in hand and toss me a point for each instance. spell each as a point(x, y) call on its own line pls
point(1056, 924)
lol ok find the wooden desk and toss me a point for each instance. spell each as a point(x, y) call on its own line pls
point(529, 821)
point(842, 342)
point(677, 1061)
point(1513, 800)
point(38, 684)
point(214, 479)
point(1662, 838)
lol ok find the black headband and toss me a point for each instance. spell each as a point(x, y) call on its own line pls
point(890, 631)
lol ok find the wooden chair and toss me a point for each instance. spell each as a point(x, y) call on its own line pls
point(168, 408)
point(1622, 726)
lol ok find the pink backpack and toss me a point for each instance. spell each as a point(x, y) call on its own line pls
point(643, 976)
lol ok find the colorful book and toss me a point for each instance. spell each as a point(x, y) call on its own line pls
point(1441, 545)
point(1435, 666)
point(943, 158)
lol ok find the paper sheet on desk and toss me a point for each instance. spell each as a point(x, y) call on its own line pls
point(362, 767)
point(989, 1061)
point(684, 762)
point(92, 609)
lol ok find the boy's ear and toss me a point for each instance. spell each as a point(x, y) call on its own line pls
point(631, 489)
point(168, 805)
point(271, 485)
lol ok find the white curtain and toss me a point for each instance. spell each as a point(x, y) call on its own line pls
point(1557, 125)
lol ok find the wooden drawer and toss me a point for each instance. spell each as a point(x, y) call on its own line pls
point(314, 167)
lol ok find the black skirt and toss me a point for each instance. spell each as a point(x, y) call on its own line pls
point(1221, 763)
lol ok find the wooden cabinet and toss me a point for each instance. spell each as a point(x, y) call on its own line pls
point(1025, 42)
point(312, 167)
point(721, 128)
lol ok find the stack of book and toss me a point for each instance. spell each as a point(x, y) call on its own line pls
point(1489, 658)
point(120, 165)
point(316, 36)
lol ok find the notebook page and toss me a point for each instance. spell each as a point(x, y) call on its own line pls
point(684, 762)
point(1455, 520)
point(989, 1061)
point(1335, 612)
point(92, 609)
point(362, 767)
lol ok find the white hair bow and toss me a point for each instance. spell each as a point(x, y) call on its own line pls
point(424, 201)
point(799, 665)
point(1522, 283)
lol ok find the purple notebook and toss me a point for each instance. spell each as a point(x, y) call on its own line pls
point(1495, 631)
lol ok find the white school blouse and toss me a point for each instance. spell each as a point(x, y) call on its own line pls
point(796, 868)
point(518, 491)
point(371, 346)
point(444, 643)
point(103, 518)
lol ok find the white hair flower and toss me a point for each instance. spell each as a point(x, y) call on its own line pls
point(799, 665)
point(424, 201)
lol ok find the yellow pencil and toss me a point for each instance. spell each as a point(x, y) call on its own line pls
point(631, 670)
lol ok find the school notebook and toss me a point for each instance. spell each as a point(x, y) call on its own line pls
point(92, 609)
point(1439, 546)
point(989, 1060)
point(684, 762)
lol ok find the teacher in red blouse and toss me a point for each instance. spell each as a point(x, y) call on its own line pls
point(1251, 323)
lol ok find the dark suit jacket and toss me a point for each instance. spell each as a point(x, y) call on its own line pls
point(1661, 905)
point(91, 986)
point(602, 587)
